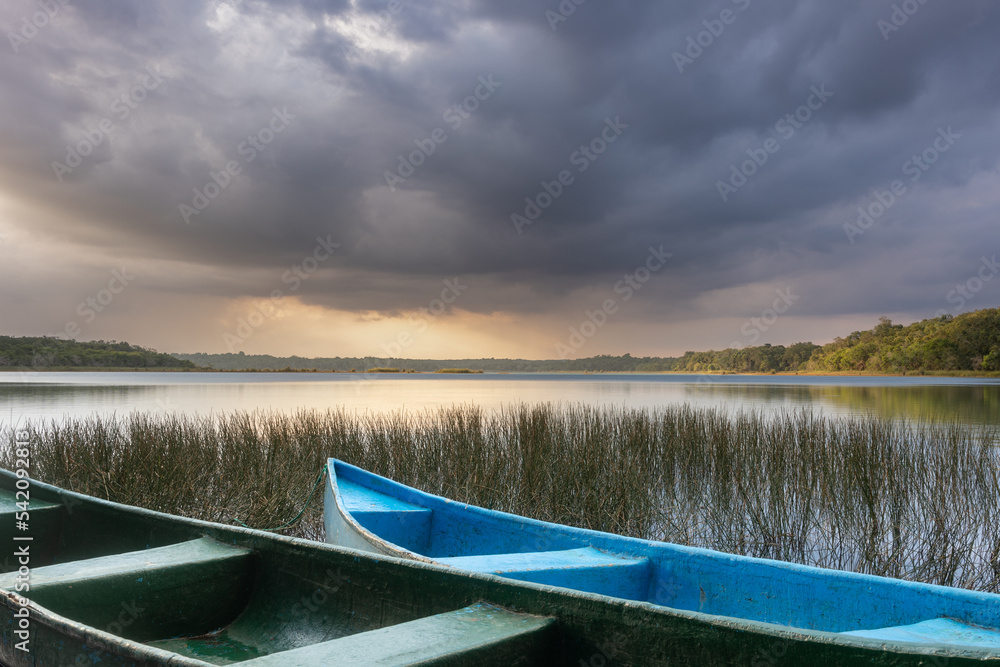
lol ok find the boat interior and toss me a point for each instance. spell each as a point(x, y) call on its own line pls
point(196, 598)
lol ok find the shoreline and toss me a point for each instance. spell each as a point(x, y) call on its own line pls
point(312, 371)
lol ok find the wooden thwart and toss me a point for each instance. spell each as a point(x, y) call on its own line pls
point(186, 588)
point(480, 634)
point(586, 569)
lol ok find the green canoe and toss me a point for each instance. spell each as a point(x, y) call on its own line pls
point(89, 582)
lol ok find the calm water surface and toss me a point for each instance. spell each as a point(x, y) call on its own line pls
point(33, 396)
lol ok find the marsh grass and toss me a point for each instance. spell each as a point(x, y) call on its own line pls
point(919, 502)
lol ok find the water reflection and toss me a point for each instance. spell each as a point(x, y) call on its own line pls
point(968, 404)
point(59, 395)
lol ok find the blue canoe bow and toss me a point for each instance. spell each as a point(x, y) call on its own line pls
point(372, 513)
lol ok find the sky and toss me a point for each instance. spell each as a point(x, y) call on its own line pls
point(465, 179)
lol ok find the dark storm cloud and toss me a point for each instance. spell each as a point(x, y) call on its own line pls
point(360, 84)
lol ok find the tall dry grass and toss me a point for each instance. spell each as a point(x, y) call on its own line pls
point(864, 494)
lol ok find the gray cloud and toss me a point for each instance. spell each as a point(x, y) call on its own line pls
point(361, 84)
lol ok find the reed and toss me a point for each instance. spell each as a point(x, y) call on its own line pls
point(919, 502)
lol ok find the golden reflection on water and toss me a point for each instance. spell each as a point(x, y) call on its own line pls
point(60, 395)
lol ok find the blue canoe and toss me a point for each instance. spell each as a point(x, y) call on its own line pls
point(372, 513)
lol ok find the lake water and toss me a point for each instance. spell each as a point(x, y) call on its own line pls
point(33, 396)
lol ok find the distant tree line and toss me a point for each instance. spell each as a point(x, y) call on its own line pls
point(967, 342)
point(49, 352)
point(265, 362)
point(760, 359)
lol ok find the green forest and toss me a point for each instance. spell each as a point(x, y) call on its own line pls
point(968, 342)
point(48, 352)
point(264, 362)
point(965, 343)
